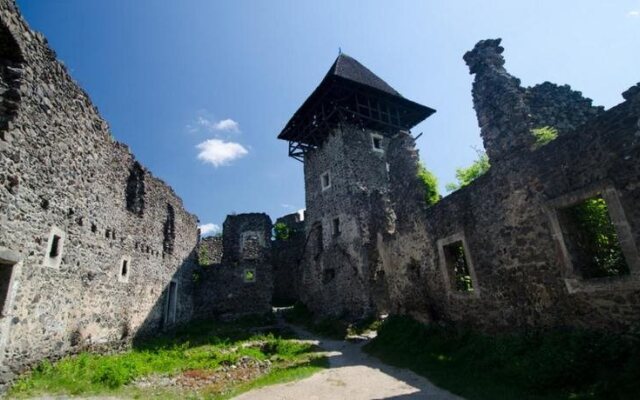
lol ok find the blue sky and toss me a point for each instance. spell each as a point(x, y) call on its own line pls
point(200, 89)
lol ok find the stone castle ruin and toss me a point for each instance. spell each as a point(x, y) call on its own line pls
point(96, 252)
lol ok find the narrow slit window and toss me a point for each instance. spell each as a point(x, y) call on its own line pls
point(171, 307)
point(55, 248)
point(54, 251)
point(125, 269)
point(336, 227)
point(591, 239)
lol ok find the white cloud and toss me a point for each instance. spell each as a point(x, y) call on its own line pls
point(227, 125)
point(209, 229)
point(285, 205)
point(218, 152)
point(301, 214)
point(634, 13)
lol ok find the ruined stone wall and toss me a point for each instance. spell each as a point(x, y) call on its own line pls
point(286, 257)
point(242, 283)
point(210, 250)
point(508, 219)
point(559, 107)
point(64, 184)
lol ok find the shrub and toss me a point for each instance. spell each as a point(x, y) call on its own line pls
point(281, 231)
point(430, 183)
point(467, 175)
point(544, 135)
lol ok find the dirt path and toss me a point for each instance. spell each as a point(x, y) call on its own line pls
point(352, 375)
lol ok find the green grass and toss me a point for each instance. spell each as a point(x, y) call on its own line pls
point(527, 366)
point(200, 346)
point(333, 328)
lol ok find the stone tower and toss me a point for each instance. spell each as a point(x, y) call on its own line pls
point(349, 134)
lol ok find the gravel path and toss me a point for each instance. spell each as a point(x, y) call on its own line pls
point(352, 375)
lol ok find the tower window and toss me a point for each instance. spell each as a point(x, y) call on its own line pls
point(376, 142)
point(55, 246)
point(325, 180)
point(336, 227)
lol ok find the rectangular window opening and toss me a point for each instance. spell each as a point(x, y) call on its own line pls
point(6, 270)
point(172, 303)
point(54, 251)
point(125, 268)
point(376, 142)
point(458, 267)
point(591, 239)
point(325, 180)
point(336, 227)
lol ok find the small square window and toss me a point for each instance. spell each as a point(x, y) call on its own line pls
point(249, 275)
point(325, 180)
point(376, 142)
point(336, 227)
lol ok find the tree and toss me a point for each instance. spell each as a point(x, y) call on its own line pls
point(467, 175)
point(430, 182)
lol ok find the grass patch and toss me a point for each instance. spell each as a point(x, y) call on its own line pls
point(204, 346)
point(283, 375)
point(534, 365)
point(333, 328)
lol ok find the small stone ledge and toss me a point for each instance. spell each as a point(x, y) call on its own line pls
point(9, 256)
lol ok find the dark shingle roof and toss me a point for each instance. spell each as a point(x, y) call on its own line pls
point(338, 91)
point(350, 69)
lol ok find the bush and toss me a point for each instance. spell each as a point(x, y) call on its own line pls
point(430, 183)
point(544, 135)
point(467, 175)
point(281, 231)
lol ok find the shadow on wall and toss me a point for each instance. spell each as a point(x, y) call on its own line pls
point(175, 306)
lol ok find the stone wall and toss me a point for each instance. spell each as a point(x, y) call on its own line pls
point(210, 250)
point(395, 254)
point(242, 283)
point(286, 257)
point(508, 219)
point(88, 250)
